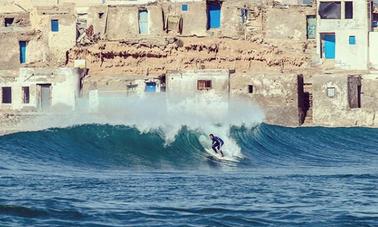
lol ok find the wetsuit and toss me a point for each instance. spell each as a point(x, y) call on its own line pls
point(217, 144)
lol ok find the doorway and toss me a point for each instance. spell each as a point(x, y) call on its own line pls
point(44, 96)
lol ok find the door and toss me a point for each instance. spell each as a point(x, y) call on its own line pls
point(22, 45)
point(45, 96)
point(214, 15)
point(143, 22)
point(311, 27)
point(329, 41)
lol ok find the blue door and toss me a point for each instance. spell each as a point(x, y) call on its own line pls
point(143, 22)
point(150, 87)
point(22, 45)
point(214, 15)
point(329, 46)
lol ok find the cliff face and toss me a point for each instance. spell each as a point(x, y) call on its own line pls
point(157, 56)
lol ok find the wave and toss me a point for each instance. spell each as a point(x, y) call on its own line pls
point(120, 146)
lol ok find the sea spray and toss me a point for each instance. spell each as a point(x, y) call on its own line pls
point(163, 113)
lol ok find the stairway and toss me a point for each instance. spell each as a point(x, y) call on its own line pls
point(308, 104)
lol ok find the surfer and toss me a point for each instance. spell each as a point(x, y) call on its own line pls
point(217, 144)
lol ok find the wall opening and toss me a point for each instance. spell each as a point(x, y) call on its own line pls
point(354, 91)
point(100, 15)
point(25, 95)
point(204, 85)
point(6, 95)
point(214, 15)
point(22, 47)
point(184, 7)
point(331, 92)
point(250, 89)
point(330, 10)
point(8, 21)
point(44, 91)
point(143, 21)
point(150, 87)
point(55, 25)
point(311, 26)
point(304, 91)
point(352, 40)
point(328, 45)
point(348, 10)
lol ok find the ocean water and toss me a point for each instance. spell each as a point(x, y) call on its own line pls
point(116, 175)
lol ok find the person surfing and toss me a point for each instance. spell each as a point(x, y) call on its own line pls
point(217, 144)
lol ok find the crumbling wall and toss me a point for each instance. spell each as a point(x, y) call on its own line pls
point(275, 93)
point(161, 55)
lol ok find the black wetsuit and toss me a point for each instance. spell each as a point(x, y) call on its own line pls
point(217, 144)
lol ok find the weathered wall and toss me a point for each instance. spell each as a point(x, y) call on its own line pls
point(194, 21)
point(276, 94)
point(373, 49)
point(64, 88)
point(335, 111)
point(288, 24)
point(350, 57)
point(97, 17)
point(58, 42)
point(186, 82)
point(130, 23)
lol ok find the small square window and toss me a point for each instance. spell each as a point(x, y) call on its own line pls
point(331, 92)
point(55, 25)
point(8, 22)
point(204, 85)
point(352, 40)
point(184, 7)
point(7, 95)
point(250, 89)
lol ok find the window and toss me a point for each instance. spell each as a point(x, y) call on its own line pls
point(6, 94)
point(331, 92)
point(22, 47)
point(25, 95)
point(348, 10)
point(311, 26)
point(184, 7)
point(8, 22)
point(203, 85)
point(330, 10)
point(352, 40)
point(100, 15)
point(250, 89)
point(55, 25)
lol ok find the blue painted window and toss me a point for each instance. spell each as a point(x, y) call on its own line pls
point(143, 22)
point(150, 87)
point(352, 40)
point(184, 7)
point(22, 45)
point(55, 25)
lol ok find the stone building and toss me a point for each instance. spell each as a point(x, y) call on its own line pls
point(40, 89)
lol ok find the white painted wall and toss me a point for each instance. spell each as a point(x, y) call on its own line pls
point(373, 49)
point(351, 57)
point(64, 82)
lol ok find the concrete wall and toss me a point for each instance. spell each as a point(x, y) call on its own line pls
point(63, 40)
point(123, 22)
point(288, 24)
point(373, 49)
point(351, 57)
point(276, 94)
point(194, 21)
point(186, 82)
point(335, 111)
point(64, 88)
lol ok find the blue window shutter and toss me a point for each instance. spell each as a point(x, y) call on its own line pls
point(22, 45)
point(55, 25)
point(352, 40)
point(184, 7)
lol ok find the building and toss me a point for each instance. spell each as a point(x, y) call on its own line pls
point(345, 99)
point(343, 33)
point(40, 89)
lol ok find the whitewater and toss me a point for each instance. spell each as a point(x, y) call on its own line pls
point(139, 161)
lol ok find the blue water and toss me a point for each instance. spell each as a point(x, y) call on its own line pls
point(102, 175)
